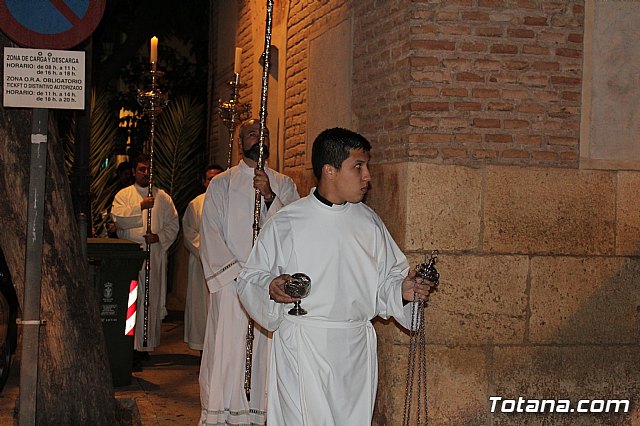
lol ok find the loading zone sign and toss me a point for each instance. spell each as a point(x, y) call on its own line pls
point(40, 78)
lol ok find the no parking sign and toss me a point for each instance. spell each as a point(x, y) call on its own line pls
point(50, 24)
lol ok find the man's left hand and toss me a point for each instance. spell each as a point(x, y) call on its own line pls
point(414, 286)
point(151, 238)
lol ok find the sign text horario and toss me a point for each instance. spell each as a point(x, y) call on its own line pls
point(40, 78)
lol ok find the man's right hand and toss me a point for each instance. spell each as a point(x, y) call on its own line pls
point(146, 203)
point(261, 183)
point(276, 290)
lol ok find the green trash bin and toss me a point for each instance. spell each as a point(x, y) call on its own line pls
point(113, 264)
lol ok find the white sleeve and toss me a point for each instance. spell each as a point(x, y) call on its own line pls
point(286, 194)
point(220, 265)
point(170, 221)
point(190, 234)
point(263, 265)
point(125, 213)
point(392, 269)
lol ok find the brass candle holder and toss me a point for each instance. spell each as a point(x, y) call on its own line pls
point(152, 102)
point(233, 113)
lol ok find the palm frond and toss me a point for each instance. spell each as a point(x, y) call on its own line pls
point(101, 149)
point(68, 144)
point(102, 139)
point(178, 153)
point(178, 150)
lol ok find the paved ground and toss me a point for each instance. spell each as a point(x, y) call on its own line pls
point(166, 391)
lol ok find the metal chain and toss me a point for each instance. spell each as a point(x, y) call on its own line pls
point(418, 349)
point(410, 368)
point(423, 366)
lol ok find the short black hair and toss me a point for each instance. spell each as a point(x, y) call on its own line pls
point(211, 166)
point(332, 147)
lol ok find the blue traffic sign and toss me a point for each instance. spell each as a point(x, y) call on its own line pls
point(57, 24)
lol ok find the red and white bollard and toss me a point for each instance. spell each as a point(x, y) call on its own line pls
point(130, 325)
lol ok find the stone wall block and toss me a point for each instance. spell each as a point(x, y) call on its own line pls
point(585, 300)
point(480, 300)
point(443, 207)
point(627, 214)
point(387, 196)
point(456, 385)
point(549, 211)
point(573, 373)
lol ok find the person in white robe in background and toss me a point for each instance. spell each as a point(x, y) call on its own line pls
point(129, 212)
point(323, 367)
point(197, 302)
point(226, 238)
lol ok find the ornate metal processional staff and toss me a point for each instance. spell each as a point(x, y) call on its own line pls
point(260, 166)
point(152, 103)
point(418, 348)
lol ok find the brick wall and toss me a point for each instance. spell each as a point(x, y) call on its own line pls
point(306, 19)
point(455, 82)
point(477, 81)
point(380, 78)
point(382, 83)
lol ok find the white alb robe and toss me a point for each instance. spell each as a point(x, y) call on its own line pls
point(131, 223)
point(323, 368)
point(226, 240)
point(197, 303)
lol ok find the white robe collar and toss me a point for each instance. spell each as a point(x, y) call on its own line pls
point(337, 208)
point(142, 190)
point(244, 167)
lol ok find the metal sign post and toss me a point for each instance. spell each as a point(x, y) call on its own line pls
point(33, 269)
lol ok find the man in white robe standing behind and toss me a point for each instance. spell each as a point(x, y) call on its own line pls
point(129, 212)
point(197, 303)
point(324, 366)
point(226, 239)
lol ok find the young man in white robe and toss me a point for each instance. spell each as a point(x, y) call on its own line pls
point(197, 301)
point(323, 367)
point(226, 239)
point(129, 212)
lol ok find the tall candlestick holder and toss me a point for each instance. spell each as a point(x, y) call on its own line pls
point(232, 113)
point(152, 102)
